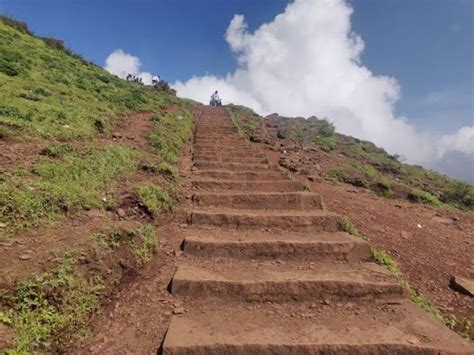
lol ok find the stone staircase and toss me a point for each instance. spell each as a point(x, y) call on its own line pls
point(268, 271)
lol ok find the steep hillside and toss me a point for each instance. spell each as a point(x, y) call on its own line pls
point(350, 160)
point(88, 168)
point(422, 221)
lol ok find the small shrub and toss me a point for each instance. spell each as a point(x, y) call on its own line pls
point(57, 151)
point(420, 196)
point(155, 199)
point(327, 144)
point(306, 186)
point(460, 194)
point(346, 226)
point(384, 259)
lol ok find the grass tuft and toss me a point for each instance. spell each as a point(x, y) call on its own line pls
point(155, 199)
point(52, 306)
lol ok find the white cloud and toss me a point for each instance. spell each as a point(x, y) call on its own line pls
point(307, 62)
point(121, 64)
point(461, 141)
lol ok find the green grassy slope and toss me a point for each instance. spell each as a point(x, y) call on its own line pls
point(48, 92)
point(358, 162)
point(59, 111)
point(52, 97)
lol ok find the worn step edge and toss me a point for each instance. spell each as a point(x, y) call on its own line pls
point(220, 332)
point(337, 246)
point(247, 186)
point(314, 220)
point(260, 200)
point(271, 285)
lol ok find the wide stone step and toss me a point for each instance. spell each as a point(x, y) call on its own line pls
point(218, 139)
point(261, 175)
point(240, 148)
point(260, 201)
point(218, 153)
point(316, 220)
point(269, 281)
point(249, 186)
point(276, 245)
point(229, 159)
point(297, 329)
point(212, 165)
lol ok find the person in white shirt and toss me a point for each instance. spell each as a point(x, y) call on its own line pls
point(155, 80)
point(215, 99)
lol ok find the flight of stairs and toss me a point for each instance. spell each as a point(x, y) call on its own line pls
point(268, 271)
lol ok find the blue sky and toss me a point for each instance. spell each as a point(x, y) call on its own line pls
point(426, 45)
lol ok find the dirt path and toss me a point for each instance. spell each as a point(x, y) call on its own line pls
point(263, 268)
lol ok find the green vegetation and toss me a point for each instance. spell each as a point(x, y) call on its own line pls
point(346, 225)
point(172, 131)
point(326, 136)
point(417, 195)
point(55, 99)
point(143, 249)
point(155, 199)
point(78, 180)
point(381, 257)
point(47, 91)
point(52, 306)
point(141, 242)
point(245, 120)
point(363, 175)
point(306, 186)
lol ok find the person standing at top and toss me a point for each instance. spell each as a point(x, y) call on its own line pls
point(156, 79)
point(215, 99)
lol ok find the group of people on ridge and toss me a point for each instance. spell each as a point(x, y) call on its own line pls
point(136, 79)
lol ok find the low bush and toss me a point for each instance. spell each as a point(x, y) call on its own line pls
point(155, 199)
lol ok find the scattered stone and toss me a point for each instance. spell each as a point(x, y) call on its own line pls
point(419, 225)
point(178, 253)
point(25, 257)
point(462, 285)
point(405, 235)
point(281, 134)
point(2, 225)
point(311, 178)
point(121, 212)
point(178, 310)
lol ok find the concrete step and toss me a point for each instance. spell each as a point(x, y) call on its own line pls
point(269, 281)
point(274, 245)
point(212, 165)
point(260, 200)
point(302, 329)
point(261, 175)
point(316, 220)
point(249, 186)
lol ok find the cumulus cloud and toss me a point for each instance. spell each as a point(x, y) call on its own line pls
point(121, 64)
point(307, 61)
